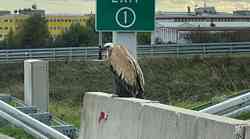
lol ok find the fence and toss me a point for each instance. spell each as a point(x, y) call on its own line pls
point(204, 49)
point(90, 53)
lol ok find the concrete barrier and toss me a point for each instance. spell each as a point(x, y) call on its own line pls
point(247, 132)
point(104, 117)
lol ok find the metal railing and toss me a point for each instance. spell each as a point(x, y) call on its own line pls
point(90, 53)
point(202, 49)
point(38, 124)
point(231, 106)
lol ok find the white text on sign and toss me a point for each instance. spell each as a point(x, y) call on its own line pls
point(125, 1)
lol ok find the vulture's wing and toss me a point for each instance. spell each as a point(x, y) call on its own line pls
point(126, 67)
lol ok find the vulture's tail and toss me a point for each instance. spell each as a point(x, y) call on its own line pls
point(140, 94)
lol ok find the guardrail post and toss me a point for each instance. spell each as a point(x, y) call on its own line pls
point(54, 54)
point(7, 55)
point(36, 84)
point(30, 54)
point(70, 55)
point(152, 51)
point(86, 53)
point(204, 50)
point(231, 49)
point(177, 50)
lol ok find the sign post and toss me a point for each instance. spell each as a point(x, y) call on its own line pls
point(124, 18)
point(127, 39)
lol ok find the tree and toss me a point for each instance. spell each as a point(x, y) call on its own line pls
point(80, 35)
point(34, 7)
point(76, 35)
point(15, 11)
point(34, 33)
point(10, 41)
point(144, 38)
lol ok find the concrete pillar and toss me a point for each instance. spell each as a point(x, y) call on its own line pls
point(36, 84)
point(153, 37)
point(128, 39)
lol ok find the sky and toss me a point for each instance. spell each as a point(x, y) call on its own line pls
point(86, 6)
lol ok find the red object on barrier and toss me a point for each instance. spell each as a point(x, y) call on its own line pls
point(103, 116)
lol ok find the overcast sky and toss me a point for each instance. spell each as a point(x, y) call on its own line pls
point(86, 6)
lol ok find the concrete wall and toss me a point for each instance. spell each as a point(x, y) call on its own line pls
point(130, 118)
point(247, 132)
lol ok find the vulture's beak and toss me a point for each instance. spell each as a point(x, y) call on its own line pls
point(104, 52)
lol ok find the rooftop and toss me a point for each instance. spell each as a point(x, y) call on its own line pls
point(203, 12)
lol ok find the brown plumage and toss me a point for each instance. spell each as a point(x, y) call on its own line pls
point(128, 76)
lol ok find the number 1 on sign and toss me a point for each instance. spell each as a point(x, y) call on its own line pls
point(125, 17)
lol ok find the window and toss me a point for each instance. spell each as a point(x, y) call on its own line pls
point(1, 35)
point(1, 28)
point(6, 28)
point(10, 20)
point(6, 20)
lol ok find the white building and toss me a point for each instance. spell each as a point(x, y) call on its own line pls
point(176, 27)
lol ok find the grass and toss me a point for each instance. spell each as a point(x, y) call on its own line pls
point(66, 112)
point(176, 81)
point(15, 132)
point(244, 116)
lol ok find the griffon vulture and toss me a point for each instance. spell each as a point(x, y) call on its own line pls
point(128, 77)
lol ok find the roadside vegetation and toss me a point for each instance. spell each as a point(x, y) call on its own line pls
point(181, 82)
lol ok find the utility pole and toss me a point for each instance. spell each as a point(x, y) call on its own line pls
point(100, 46)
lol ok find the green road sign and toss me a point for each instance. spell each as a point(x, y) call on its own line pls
point(125, 15)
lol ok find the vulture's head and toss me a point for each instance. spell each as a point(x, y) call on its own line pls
point(107, 50)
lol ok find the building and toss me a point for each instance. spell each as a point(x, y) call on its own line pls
point(176, 27)
point(4, 12)
point(31, 12)
point(57, 24)
point(10, 22)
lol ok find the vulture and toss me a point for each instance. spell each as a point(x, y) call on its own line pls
point(128, 80)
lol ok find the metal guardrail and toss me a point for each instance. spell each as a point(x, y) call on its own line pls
point(38, 124)
point(231, 107)
point(90, 53)
point(13, 55)
point(202, 49)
